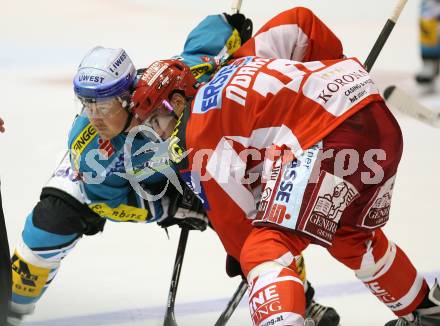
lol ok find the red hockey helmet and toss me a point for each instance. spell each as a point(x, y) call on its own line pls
point(158, 82)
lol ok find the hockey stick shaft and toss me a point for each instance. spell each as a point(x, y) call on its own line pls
point(236, 6)
point(384, 34)
point(232, 304)
point(170, 319)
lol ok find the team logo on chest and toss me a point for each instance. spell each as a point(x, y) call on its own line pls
point(105, 148)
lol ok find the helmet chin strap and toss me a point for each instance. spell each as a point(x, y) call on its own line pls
point(127, 122)
point(126, 106)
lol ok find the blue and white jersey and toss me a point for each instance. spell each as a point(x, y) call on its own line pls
point(99, 167)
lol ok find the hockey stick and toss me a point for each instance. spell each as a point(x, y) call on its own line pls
point(406, 104)
point(236, 6)
point(170, 319)
point(232, 304)
point(395, 96)
point(384, 34)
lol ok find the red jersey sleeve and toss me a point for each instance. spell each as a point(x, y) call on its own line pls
point(295, 34)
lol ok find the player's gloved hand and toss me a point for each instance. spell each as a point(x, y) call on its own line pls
point(191, 220)
point(186, 211)
point(242, 24)
point(233, 267)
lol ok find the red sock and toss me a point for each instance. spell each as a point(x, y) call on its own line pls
point(276, 296)
point(397, 283)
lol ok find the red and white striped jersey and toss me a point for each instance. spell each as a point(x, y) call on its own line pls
point(257, 103)
point(254, 104)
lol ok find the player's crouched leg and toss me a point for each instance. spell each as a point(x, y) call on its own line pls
point(35, 263)
point(388, 273)
point(426, 314)
point(276, 291)
point(51, 231)
point(320, 314)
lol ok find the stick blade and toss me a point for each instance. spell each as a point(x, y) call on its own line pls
point(400, 100)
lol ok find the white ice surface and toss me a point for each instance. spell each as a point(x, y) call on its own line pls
point(123, 275)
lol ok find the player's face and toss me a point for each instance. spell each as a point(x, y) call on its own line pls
point(162, 121)
point(164, 118)
point(107, 117)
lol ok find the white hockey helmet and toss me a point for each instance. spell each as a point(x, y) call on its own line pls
point(104, 73)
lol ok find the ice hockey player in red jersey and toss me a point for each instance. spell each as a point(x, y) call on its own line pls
point(321, 139)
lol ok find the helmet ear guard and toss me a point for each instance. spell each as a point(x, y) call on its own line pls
point(158, 83)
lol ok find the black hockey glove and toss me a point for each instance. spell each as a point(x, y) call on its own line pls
point(242, 24)
point(186, 211)
point(233, 267)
